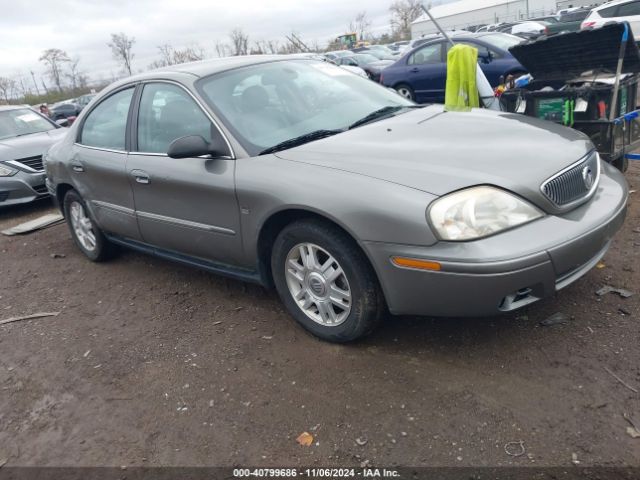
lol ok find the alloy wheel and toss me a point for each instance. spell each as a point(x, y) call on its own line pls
point(318, 284)
point(82, 226)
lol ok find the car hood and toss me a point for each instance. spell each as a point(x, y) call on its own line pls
point(29, 145)
point(439, 152)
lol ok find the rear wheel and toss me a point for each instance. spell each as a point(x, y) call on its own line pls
point(85, 232)
point(405, 91)
point(326, 282)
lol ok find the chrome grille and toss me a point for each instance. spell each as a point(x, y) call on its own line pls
point(32, 162)
point(575, 183)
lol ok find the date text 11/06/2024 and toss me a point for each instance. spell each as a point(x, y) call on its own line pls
point(315, 473)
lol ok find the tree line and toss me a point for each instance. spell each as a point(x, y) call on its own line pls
point(68, 80)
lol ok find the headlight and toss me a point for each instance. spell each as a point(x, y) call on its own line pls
point(478, 212)
point(6, 171)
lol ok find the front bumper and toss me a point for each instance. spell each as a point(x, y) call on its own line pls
point(22, 187)
point(509, 270)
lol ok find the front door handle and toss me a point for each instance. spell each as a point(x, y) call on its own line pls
point(77, 168)
point(141, 176)
point(415, 70)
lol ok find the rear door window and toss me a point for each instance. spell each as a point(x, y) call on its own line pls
point(106, 125)
point(427, 55)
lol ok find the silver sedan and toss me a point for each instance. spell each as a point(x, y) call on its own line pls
point(349, 199)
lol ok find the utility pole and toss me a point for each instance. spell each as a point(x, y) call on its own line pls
point(35, 83)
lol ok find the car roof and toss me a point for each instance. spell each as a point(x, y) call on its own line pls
point(613, 3)
point(214, 65)
point(202, 68)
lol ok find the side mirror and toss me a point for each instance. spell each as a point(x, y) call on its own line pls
point(63, 122)
point(190, 146)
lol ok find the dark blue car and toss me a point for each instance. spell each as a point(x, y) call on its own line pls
point(421, 73)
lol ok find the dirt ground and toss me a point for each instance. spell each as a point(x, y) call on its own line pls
point(153, 363)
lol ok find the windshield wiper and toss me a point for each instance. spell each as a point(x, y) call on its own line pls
point(301, 140)
point(380, 114)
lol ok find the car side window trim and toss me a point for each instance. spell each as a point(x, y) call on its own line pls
point(136, 111)
point(78, 139)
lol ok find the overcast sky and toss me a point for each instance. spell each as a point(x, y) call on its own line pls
point(82, 27)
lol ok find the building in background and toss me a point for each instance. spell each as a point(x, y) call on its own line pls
point(466, 13)
point(562, 4)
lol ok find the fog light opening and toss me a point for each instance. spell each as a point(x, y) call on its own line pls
point(517, 299)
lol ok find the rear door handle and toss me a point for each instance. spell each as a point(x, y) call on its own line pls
point(141, 176)
point(77, 168)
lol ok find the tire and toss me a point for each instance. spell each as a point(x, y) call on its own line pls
point(84, 230)
point(405, 91)
point(339, 302)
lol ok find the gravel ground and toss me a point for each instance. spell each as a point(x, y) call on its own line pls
point(152, 363)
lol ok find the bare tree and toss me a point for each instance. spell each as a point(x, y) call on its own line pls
point(222, 49)
point(361, 25)
point(172, 56)
point(193, 53)
point(403, 12)
point(74, 73)
point(53, 58)
point(272, 46)
point(7, 85)
point(121, 46)
point(239, 42)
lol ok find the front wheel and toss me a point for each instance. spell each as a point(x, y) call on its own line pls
point(326, 282)
point(86, 234)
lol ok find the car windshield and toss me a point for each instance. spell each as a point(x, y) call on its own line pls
point(502, 41)
point(267, 104)
point(22, 121)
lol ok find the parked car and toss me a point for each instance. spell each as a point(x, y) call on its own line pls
point(380, 54)
point(25, 135)
point(548, 19)
point(83, 100)
point(615, 11)
point(338, 54)
point(64, 110)
point(398, 46)
point(358, 201)
point(421, 74)
point(527, 29)
point(369, 63)
point(568, 22)
point(322, 57)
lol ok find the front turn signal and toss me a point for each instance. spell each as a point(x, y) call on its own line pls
point(416, 263)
